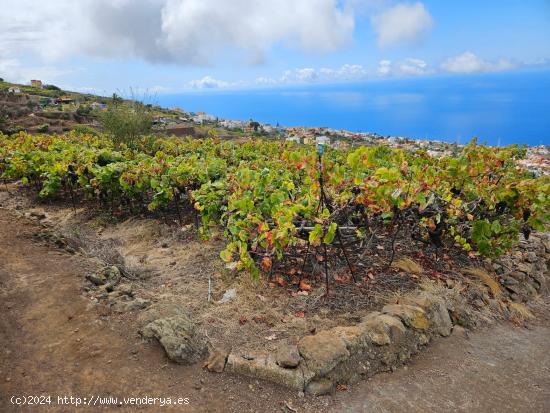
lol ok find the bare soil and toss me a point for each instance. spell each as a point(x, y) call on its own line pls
point(55, 340)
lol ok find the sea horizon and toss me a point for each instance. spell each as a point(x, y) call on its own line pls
point(496, 108)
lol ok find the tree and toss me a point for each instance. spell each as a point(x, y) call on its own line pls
point(126, 123)
point(116, 99)
point(255, 125)
point(51, 87)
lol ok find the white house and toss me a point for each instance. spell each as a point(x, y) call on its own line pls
point(204, 117)
point(268, 128)
point(233, 124)
point(322, 140)
point(14, 90)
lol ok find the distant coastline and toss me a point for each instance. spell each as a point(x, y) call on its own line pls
point(503, 108)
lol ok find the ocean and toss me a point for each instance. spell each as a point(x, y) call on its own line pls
point(497, 108)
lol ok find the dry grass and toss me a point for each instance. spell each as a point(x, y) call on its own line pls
point(486, 278)
point(520, 311)
point(407, 265)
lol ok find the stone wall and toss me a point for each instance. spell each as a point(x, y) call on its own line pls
point(385, 339)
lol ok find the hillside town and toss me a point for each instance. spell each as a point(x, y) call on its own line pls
point(39, 107)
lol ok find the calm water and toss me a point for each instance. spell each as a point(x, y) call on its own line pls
point(500, 108)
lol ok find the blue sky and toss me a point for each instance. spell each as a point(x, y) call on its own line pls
point(169, 46)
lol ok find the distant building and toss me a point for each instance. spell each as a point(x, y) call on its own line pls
point(294, 138)
point(268, 128)
point(309, 140)
point(233, 124)
point(322, 140)
point(97, 105)
point(202, 117)
point(14, 90)
point(64, 100)
point(36, 83)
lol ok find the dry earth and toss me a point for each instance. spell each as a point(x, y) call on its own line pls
point(53, 341)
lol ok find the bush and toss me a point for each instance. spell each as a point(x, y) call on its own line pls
point(83, 110)
point(43, 128)
point(51, 87)
point(84, 130)
point(127, 122)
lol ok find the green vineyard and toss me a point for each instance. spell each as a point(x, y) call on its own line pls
point(273, 197)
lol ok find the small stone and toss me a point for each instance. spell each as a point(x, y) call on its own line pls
point(229, 295)
point(125, 289)
point(320, 387)
point(96, 279)
point(216, 361)
point(137, 304)
point(112, 272)
point(287, 356)
point(508, 280)
point(38, 215)
point(532, 257)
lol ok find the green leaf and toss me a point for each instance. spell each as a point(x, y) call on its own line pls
point(331, 233)
point(316, 235)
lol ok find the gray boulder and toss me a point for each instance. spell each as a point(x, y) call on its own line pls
point(179, 338)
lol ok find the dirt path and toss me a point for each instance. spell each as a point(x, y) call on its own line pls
point(500, 369)
point(52, 341)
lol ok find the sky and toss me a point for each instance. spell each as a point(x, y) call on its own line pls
point(173, 46)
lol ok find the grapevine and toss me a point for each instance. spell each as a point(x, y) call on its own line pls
point(265, 195)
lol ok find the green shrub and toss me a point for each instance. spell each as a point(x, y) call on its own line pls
point(126, 122)
point(51, 87)
point(83, 110)
point(43, 128)
point(84, 130)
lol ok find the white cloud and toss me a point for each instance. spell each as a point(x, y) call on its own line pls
point(265, 81)
point(402, 24)
point(208, 82)
point(408, 67)
point(189, 32)
point(14, 70)
point(468, 62)
point(413, 67)
point(384, 67)
point(347, 72)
